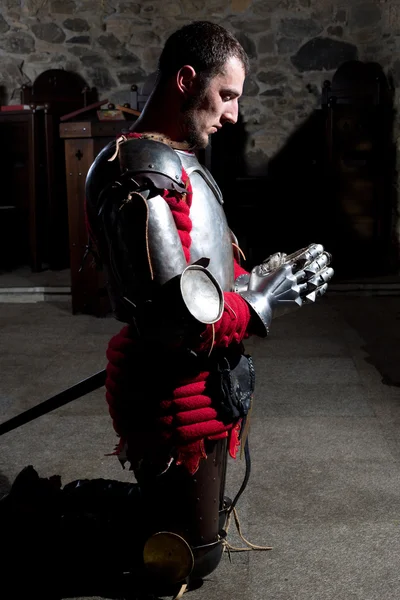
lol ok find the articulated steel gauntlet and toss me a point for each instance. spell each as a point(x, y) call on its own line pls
point(283, 283)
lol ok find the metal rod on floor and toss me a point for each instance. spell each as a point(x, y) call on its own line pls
point(73, 393)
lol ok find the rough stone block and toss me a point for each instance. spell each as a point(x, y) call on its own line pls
point(266, 44)
point(49, 32)
point(252, 25)
point(121, 27)
point(287, 45)
point(18, 43)
point(248, 45)
point(272, 77)
point(11, 73)
point(336, 30)
point(101, 78)
point(365, 15)
point(63, 7)
point(77, 25)
point(144, 37)
point(130, 77)
point(299, 28)
point(128, 7)
point(79, 39)
point(251, 87)
point(4, 26)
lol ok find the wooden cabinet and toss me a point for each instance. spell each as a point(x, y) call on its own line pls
point(83, 141)
point(23, 201)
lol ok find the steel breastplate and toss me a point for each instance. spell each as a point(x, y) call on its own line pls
point(210, 235)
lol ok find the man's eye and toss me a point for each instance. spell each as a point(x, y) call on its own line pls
point(227, 98)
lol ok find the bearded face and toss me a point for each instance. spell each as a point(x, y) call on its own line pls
point(192, 124)
point(214, 104)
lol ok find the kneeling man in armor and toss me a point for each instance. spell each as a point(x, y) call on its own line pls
point(179, 383)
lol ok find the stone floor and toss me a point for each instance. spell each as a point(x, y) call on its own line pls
point(325, 442)
point(21, 285)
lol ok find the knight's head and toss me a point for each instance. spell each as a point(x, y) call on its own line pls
point(205, 65)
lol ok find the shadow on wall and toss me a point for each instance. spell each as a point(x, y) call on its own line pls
point(280, 208)
point(4, 485)
point(334, 182)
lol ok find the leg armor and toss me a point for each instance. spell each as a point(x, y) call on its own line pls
point(192, 507)
point(165, 532)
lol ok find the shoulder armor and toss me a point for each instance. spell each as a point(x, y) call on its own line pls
point(149, 157)
point(132, 157)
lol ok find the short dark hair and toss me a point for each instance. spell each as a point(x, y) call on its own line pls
point(203, 45)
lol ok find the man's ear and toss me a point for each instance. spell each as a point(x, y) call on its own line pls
point(187, 80)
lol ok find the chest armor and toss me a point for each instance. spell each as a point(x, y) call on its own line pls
point(210, 235)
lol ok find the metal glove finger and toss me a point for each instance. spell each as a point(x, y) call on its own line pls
point(310, 273)
point(305, 255)
point(312, 296)
point(300, 276)
point(317, 265)
point(308, 253)
point(320, 278)
point(303, 288)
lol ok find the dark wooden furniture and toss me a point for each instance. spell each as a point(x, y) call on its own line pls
point(83, 141)
point(58, 92)
point(22, 165)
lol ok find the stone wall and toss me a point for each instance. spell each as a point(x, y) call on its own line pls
point(294, 45)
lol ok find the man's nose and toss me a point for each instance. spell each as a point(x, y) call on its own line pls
point(230, 114)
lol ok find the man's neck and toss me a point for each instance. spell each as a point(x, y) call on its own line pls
point(159, 116)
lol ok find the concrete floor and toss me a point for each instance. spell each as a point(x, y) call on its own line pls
point(325, 442)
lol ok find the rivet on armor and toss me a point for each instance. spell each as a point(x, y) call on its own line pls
point(151, 166)
point(213, 478)
point(197, 499)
